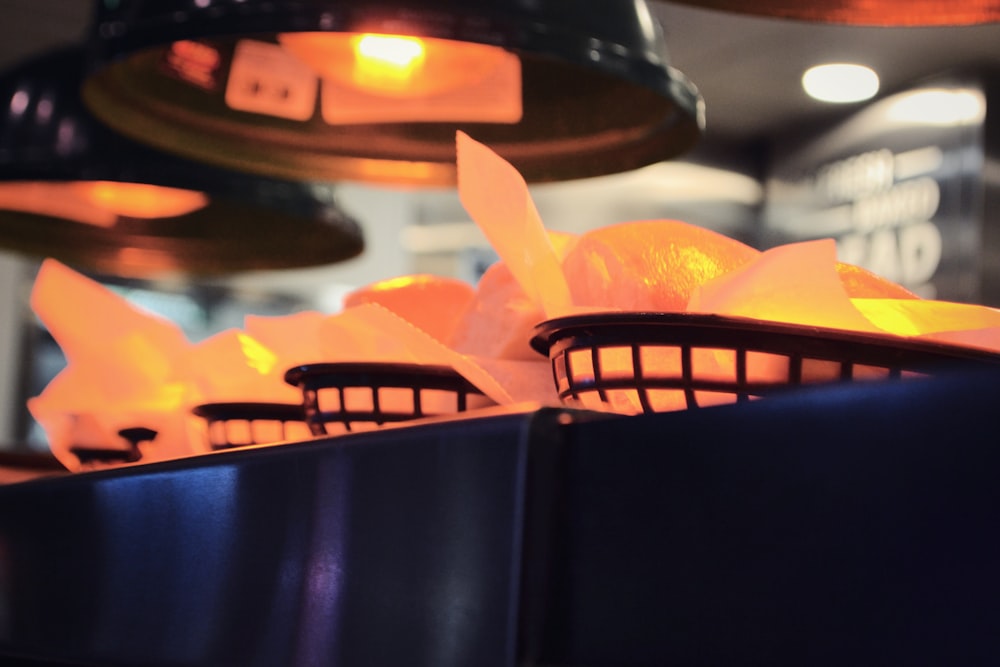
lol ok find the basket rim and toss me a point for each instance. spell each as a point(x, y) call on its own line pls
point(547, 332)
point(294, 375)
point(249, 410)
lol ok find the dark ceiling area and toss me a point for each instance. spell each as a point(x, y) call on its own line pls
point(746, 67)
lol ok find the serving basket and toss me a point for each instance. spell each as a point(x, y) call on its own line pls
point(236, 424)
point(640, 362)
point(351, 396)
point(96, 457)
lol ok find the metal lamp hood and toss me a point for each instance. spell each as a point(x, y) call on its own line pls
point(598, 95)
point(50, 147)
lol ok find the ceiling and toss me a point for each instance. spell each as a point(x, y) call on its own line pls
point(747, 68)
point(28, 27)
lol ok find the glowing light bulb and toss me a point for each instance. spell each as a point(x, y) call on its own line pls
point(389, 78)
point(840, 83)
point(396, 65)
point(387, 62)
point(402, 53)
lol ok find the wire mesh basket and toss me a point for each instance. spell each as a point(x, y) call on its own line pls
point(658, 362)
point(341, 397)
point(247, 423)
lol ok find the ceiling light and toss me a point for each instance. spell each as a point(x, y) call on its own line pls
point(938, 106)
point(866, 12)
point(74, 190)
point(374, 90)
point(840, 83)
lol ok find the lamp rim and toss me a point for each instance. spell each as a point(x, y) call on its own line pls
point(250, 222)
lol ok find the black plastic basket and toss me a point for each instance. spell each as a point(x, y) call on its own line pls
point(658, 362)
point(246, 423)
point(341, 397)
point(96, 457)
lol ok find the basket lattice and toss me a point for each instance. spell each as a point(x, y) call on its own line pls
point(247, 423)
point(340, 397)
point(657, 362)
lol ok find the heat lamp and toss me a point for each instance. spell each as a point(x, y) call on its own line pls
point(74, 190)
point(887, 13)
point(374, 90)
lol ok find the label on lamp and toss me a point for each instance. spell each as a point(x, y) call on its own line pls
point(265, 79)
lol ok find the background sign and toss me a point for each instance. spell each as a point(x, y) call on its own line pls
point(899, 185)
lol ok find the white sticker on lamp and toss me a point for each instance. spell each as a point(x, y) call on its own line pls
point(265, 79)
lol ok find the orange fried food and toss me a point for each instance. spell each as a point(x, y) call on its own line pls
point(863, 284)
point(651, 265)
point(433, 304)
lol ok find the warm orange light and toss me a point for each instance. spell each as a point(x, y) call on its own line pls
point(257, 356)
point(139, 200)
point(391, 54)
point(395, 64)
point(389, 285)
point(387, 63)
point(52, 199)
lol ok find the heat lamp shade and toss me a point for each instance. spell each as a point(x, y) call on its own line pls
point(598, 94)
point(50, 146)
point(887, 13)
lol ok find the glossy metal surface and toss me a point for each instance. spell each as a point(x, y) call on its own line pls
point(846, 525)
point(46, 135)
point(370, 549)
point(599, 94)
point(866, 12)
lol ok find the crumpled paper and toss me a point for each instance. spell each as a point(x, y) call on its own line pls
point(798, 284)
point(127, 367)
point(119, 372)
